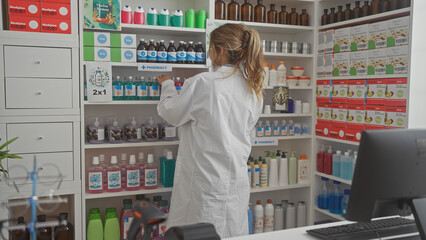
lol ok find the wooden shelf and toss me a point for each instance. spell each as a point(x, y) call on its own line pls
point(285, 115)
point(279, 188)
point(368, 19)
point(365, 77)
point(287, 55)
point(155, 102)
point(332, 215)
point(271, 28)
point(125, 193)
point(128, 145)
point(349, 182)
point(136, 64)
point(337, 140)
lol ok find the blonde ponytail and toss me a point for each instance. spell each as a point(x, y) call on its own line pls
point(244, 50)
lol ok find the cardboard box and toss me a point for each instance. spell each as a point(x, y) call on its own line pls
point(322, 130)
point(328, 65)
point(339, 91)
point(98, 54)
point(397, 60)
point(374, 117)
point(377, 60)
point(359, 63)
point(396, 93)
point(377, 35)
point(396, 117)
point(96, 39)
point(321, 43)
point(359, 38)
point(338, 132)
point(24, 8)
point(356, 91)
point(341, 64)
point(342, 40)
point(324, 113)
point(57, 1)
point(55, 10)
point(320, 65)
point(339, 113)
point(55, 25)
point(353, 135)
point(24, 24)
point(119, 40)
point(355, 117)
point(376, 89)
point(323, 92)
point(398, 31)
point(329, 41)
point(123, 55)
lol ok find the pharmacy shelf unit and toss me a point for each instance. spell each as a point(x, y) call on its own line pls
point(329, 214)
point(365, 77)
point(331, 177)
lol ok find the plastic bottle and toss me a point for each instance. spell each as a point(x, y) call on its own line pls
point(200, 54)
point(130, 89)
point(258, 217)
point(132, 175)
point(284, 204)
point(268, 129)
point(96, 132)
point(328, 162)
point(250, 219)
point(141, 164)
point(290, 105)
point(150, 174)
point(264, 174)
point(171, 52)
point(291, 128)
point(118, 92)
point(276, 131)
point(320, 159)
point(324, 194)
point(123, 166)
point(255, 182)
point(247, 11)
point(336, 164)
point(219, 10)
point(283, 175)
point(336, 199)
point(249, 171)
point(301, 214)
point(95, 177)
point(133, 131)
point(272, 15)
point(154, 90)
point(282, 74)
point(162, 53)
point(190, 53)
point(260, 130)
point(115, 132)
point(113, 176)
point(265, 75)
point(278, 217)
point(345, 201)
point(95, 229)
point(292, 169)
point(43, 232)
point(181, 53)
point(142, 52)
point(290, 220)
point(354, 163)
point(112, 225)
point(139, 16)
point(303, 170)
point(269, 217)
point(170, 132)
point(346, 167)
point(22, 233)
point(233, 11)
point(142, 89)
point(104, 166)
point(268, 158)
point(284, 128)
point(178, 85)
point(151, 130)
point(260, 12)
point(273, 171)
point(273, 76)
point(126, 218)
point(152, 51)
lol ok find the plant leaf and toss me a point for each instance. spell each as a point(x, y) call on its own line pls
point(3, 170)
point(7, 143)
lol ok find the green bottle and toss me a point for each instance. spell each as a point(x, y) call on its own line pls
point(142, 89)
point(112, 225)
point(118, 91)
point(95, 229)
point(292, 169)
point(154, 90)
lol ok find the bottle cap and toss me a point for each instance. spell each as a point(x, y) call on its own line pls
point(117, 78)
point(303, 157)
point(132, 160)
point(273, 156)
point(94, 210)
point(113, 159)
point(329, 150)
point(164, 203)
point(272, 66)
point(133, 122)
point(338, 152)
point(124, 156)
point(346, 154)
point(115, 123)
point(284, 155)
point(258, 202)
point(152, 11)
point(169, 155)
point(191, 42)
point(278, 154)
point(165, 11)
point(267, 123)
point(139, 9)
point(301, 203)
point(150, 158)
point(150, 121)
point(264, 161)
point(336, 182)
point(265, 64)
point(102, 158)
point(95, 160)
point(110, 213)
point(126, 8)
point(63, 216)
point(324, 178)
point(141, 156)
point(96, 123)
point(281, 63)
point(269, 201)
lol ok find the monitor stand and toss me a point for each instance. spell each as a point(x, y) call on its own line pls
point(418, 206)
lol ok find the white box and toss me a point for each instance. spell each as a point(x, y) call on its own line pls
point(321, 42)
point(102, 39)
point(359, 63)
point(377, 60)
point(398, 31)
point(102, 54)
point(397, 60)
point(128, 41)
point(341, 64)
point(329, 41)
point(359, 38)
point(320, 65)
point(342, 40)
point(128, 55)
point(377, 35)
point(328, 65)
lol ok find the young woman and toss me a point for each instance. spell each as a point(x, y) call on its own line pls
point(216, 112)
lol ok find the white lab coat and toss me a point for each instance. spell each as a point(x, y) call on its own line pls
point(216, 114)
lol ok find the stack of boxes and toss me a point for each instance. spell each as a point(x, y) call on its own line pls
point(50, 16)
point(109, 47)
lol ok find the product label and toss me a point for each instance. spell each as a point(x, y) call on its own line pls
point(375, 116)
point(377, 35)
point(181, 56)
point(128, 40)
point(264, 176)
point(118, 91)
point(355, 116)
point(142, 91)
point(178, 89)
point(114, 179)
point(128, 55)
point(397, 60)
point(269, 224)
point(260, 132)
point(396, 117)
point(328, 65)
point(320, 65)
point(324, 113)
point(359, 63)
point(152, 55)
point(376, 90)
point(190, 56)
point(268, 131)
point(130, 90)
point(339, 115)
point(154, 91)
point(127, 223)
point(396, 93)
point(339, 91)
point(321, 43)
point(323, 92)
point(200, 57)
point(356, 91)
point(141, 174)
point(276, 131)
point(398, 30)
point(95, 180)
point(258, 227)
point(359, 38)
point(297, 129)
point(170, 132)
point(256, 177)
point(291, 130)
point(142, 55)
point(101, 134)
point(377, 60)
point(162, 56)
point(342, 40)
point(150, 177)
point(329, 41)
point(162, 228)
point(172, 56)
point(341, 64)
point(284, 131)
point(133, 178)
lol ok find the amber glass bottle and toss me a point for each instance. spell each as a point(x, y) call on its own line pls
point(366, 9)
point(340, 14)
point(260, 12)
point(375, 7)
point(348, 12)
point(294, 17)
point(304, 18)
point(324, 18)
point(272, 15)
point(283, 16)
point(357, 12)
point(386, 6)
point(234, 11)
point(247, 11)
point(332, 15)
point(394, 4)
point(219, 10)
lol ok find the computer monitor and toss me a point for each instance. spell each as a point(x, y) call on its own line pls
point(390, 176)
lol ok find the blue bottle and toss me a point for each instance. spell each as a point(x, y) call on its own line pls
point(118, 89)
point(336, 163)
point(324, 195)
point(250, 219)
point(345, 201)
point(142, 89)
point(336, 199)
point(130, 89)
point(290, 106)
point(346, 166)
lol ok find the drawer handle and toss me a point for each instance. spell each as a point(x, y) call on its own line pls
point(39, 93)
point(38, 62)
point(40, 138)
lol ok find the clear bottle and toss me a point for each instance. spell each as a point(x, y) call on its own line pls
point(272, 15)
point(284, 128)
point(171, 52)
point(142, 89)
point(95, 178)
point(115, 132)
point(43, 232)
point(22, 233)
point(150, 174)
point(260, 130)
point(325, 19)
point(290, 128)
point(283, 15)
point(133, 131)
point(332, 16)
point(276, 131)
point(162, 52)
point(367, 9)
point(142, 53)
point(345, 201)
point(181, 53)
point(113, 176)
point(130, 89)
point(324, 194)
point(273, 76)
point(154, 90)
point(123, 166)
point(340, 14)
point(357, 11)
point(303, 170)
point(348, 12)
point(337, 163)
point(346, 167)
point(132, 175)
point(247, 11)
point(151, 130)
point(336, 199)
point(200, 54)
point(64, 232)
point(234, 11)
point(118, 91)
point(268, 129)
point(260, 12)
point(152, 52)
point(96, 132)
point(219, 10)
point(190, 53)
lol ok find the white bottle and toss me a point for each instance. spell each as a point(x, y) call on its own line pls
point(265, 75)
point(273, 76)
point(258, 217)
point(290, 219)
point(273, 171)
point(303, 170)
point(268, 129)
point(283, 177)
point(291, 128)
point(269, 217)
point(282, 74)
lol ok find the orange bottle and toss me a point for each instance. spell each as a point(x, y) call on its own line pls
point(219, 10)
point(272, 15)
point(247, 11)
point(234, 11)
point(260, 12)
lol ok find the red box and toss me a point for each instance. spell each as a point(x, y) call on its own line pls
point(57, 1)
point(324, 113)
point(338, 132)
point(55, 10)
point(339, 115)
point(24, 24)
point(24, 8)
point(323, 93)
point(339, 91)
point(322, 130)
point(376, 89)
point(356, 91)
point(396, 117)
point(353, 135)
point(374, 117)
point(54, 25)
point(396, 92)
point(356, 117)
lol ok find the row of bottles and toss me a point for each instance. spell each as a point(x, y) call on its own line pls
point(281, 129)
point(258, 13)
point(132, 89)
point(332, 198)
point(157, 52)
point(282, 215)
point(61, 232)
point(133, 131)
point(277, 170)
point(337, 164)
point(375, 7)
point(274, 77)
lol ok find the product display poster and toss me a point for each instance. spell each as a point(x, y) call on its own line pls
point(99, 82)
point(102, 14)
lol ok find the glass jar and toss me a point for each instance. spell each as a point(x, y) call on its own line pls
point(333, 15)
point(272, 15)
point(247, 11)
point(348, 12)
point(324, 18)
point(366, 9)
point(375, 7)
point(357, 11)
point(219, 10)
point(234, 11)
point(294, 17)
point(260, 12)
point(283, 16)
point(340, 14)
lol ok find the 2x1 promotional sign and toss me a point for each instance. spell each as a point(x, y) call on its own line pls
point(99, 82)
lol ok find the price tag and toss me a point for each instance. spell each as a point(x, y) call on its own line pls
point(147, 67)
point(99, 82)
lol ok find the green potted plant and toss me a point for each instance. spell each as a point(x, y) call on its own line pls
point(6, 154)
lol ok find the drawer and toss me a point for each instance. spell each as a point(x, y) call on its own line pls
point(37, 62)
point(49, 164)
point(38, 93)
point(40, 137)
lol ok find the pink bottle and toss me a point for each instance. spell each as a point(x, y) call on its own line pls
point(141, 163)
point(328, 162)
point(320, 160)
point(150, 174)
point(132, 175)
point(123, 166)
point(126, 218)
point(103, 165)
point(94, 183)
point(114, 176)
point(139, 16)
point(126, 14)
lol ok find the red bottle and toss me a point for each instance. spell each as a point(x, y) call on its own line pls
point(328, 162)
point(132, 175)
point(178, 85)
point(320, 160)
